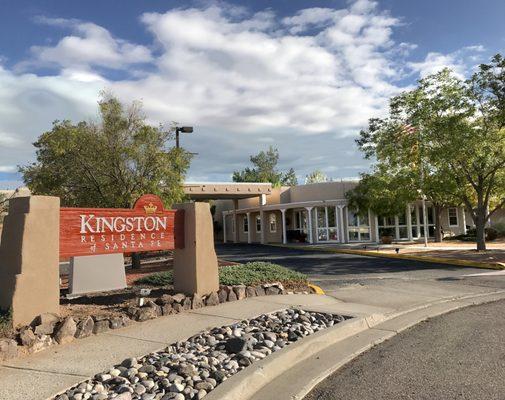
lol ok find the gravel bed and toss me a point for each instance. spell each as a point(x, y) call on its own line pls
point(190, 369)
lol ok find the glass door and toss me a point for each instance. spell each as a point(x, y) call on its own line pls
point(326, 220)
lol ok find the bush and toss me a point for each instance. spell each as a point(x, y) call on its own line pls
point(252, 273)
point(500, 228)
point(491, 233)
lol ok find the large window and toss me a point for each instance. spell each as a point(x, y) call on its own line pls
point(273, 222)
point(358, 226)
point(301, 221)
point(430, 211)
point(326, 220)
point(394, 226)
point(258, 223)
point(453, 216)
point(246, 224)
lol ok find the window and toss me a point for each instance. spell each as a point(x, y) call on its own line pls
point(273, 222)
point(326, 220)
point(258, 223)
point(453, 216)
point(233, 224)
point(358, 226)
point(246, 224)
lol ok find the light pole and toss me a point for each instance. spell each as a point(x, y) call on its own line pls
point(183, 129)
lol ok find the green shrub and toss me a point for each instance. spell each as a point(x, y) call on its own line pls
point(5, 323)
point(252, 273)
point(500, 228)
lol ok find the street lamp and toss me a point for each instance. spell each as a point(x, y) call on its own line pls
point(183, 129)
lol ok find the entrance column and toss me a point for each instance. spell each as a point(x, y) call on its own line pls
point(341, 224)
point(464, 219)
point(377, 238)
point(284, 238)
point(249, 227)
point(409, 223)
point(224, 226)
point(263, 201)
point(309, 223)
point(235, 219)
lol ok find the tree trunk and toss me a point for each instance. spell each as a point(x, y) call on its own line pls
point(438, 224)
point(480, 226)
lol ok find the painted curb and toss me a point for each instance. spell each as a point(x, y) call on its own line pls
point(435, 260)
point(248, 382)
point(316, 289)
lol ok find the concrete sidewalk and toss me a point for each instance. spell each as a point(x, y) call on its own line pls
point(44, 374)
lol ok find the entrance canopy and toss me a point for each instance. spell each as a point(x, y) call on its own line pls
point(225, 190)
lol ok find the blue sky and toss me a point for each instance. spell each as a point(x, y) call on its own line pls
point(302, 76)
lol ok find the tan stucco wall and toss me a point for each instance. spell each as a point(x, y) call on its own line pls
point(29, 257)
point(321, 191)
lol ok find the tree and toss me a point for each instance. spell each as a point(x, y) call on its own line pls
point(451, 134)
point(316, 176)
point(109, 163)
point(265, 170)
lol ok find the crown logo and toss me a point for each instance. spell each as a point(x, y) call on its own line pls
point(150, 208)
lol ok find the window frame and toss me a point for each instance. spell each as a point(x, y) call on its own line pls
point(455, 215)
point(245, 224)
point(258, 218)
point(274, 215)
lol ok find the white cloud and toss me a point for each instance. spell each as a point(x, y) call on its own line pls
point(89, 45)
point(461, 61)
point(305, 83)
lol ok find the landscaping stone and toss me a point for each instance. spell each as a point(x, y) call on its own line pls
point(8, 349)
point(193, 368)
point(239, 291)
point(272, 290)
point(197, 301)
point(167, 309)
point(165, 299)
point(260, 291)
point(222, 295)
point(231, 294)
point(27, 337)
point(250, 291)
point(100, 326)
point(212, 299)
point(179, 297)
point(187, 304)
point(42, 343)
point(45, 323)
point(65, 333)
point(85, 328)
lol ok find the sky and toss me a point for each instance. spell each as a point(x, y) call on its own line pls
point(302, 76)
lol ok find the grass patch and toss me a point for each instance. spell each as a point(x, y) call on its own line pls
point(252, 273)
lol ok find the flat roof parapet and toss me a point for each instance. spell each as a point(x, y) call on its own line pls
point(226, 190)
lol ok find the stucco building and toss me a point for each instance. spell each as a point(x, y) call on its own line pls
point(319, 213)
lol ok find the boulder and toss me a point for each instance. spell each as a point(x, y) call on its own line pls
point(222, 294)
point(42, 343)
point(27, 337)
point(197, 301)
point(236, 345)
point(177, 308)
point(272, 290)
point(65, 332)
point(85, 328)
point(187, 303)
point(231, 294)
point(100, 326)
point(250, 291)
point(167, 309)
point(165, 299)
point(260, 291)
point(212, 299)
point(8, 349)
point(239, 291)
point(179, 297)
point(45, 323)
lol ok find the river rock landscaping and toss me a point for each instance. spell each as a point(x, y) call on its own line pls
point(191, 369)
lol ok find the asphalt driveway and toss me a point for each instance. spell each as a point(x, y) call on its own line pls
point(334, 269)
point(460, 355)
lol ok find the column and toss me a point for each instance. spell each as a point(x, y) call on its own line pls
point(235, 218)
point(249, 227)
point(284, 235)
point(409, 223)
point(309, 223)
point(224, 227)
point(376, 221)
point(263, 201)
point(341, 224)
point(463, 220)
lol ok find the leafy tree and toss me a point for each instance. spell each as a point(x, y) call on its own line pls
point(109, 163)
point(451, 135)
point(316, 176)
point(4, 203)
point(265, 170)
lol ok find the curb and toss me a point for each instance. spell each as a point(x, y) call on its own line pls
point(310, 360)
point(316, 289)
point(435, 260)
